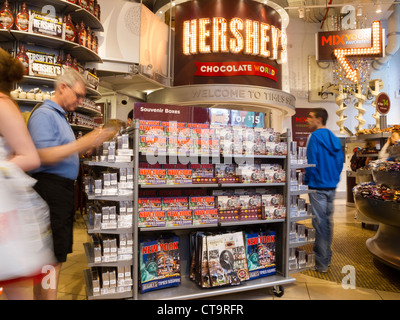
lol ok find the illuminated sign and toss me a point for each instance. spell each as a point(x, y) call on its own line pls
point(250, 37)
point(228, 42)
point(346, 44)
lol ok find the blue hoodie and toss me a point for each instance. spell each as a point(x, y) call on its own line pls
point(324, 150)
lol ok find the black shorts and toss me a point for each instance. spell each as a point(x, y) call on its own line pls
point(58, 192)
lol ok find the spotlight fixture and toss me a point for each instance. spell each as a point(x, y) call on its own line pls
point(378, 8)
point(359, 11)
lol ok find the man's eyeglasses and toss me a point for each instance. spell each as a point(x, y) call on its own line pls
point(79, 96)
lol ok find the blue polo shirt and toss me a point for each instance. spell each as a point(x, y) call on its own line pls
point(49, 127)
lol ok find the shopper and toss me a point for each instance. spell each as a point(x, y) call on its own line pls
point(387, 151)
point(130, 118)
point(324, 150)
point(59, 154)
point(16, 146)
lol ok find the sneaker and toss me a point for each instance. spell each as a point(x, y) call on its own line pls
point(321, 269)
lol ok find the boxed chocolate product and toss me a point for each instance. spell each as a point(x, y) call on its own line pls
point(95, 281)
point(159, 264)
point(205, 216)
point(152, 176)
point(152, 144)
point(178, 218)
point(151, 218)
point(149, 129)
point(301, 256)
point(261, 253)
point(273, 212)
point(275, 199)
point(46, 24)
point(201, 202)
point(228, 203)
point(202, 173)
point(179, 176)
point(149, 204)
point(175, 203)
point(225, 173)
point(250, 173)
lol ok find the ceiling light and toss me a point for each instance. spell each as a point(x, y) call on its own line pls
point(378, 8)
point(359, 11)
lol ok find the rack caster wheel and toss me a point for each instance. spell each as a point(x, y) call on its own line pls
point(278, 291)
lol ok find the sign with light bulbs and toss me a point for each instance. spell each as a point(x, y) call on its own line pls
point(228, 41)
point(347, 44)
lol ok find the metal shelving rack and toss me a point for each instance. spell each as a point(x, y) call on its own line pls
point(188, 289)
point(88, 247)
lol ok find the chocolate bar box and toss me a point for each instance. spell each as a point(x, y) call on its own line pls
point(178, 218)
point(175, 203)
point(201, 202)
point(152, 176)
point(179, 176)
point(149, 204)
point(151, 218)
point(205, 216)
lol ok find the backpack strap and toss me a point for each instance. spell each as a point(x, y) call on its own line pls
point(37, 105)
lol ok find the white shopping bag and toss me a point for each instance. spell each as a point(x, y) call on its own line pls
point(25, 234)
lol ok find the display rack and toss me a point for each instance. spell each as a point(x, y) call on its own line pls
point(89, 250)
point(362, 174)
point(188, 289)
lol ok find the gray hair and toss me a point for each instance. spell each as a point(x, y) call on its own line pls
point(69, 77)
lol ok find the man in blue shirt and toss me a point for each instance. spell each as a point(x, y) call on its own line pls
point(325, 151)
point(59, 155)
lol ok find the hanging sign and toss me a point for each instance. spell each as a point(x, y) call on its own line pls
point(228, 42)
point(382, 103)
point(347, 44)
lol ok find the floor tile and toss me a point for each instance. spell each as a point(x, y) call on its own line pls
point(388, 295)
point(319, 291)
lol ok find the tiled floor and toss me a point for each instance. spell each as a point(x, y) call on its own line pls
point(72, 284)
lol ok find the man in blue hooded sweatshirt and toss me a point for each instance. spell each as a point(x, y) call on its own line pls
point(325, 151)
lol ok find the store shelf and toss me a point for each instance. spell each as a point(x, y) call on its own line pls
point(299, 244)
point(178, 186)
point(211, 225)
point(110, 198)
point(80, 52)
point(81, 127)
point(5, 35)
point(89, 290)
point(49, 82)
point(249, 222)
point(110, 164)
point(88, 111)
point(300, 192)
point(76, 11)
point(363, 137)
point(90, 259)
point(301, 218)
point(91, 230)
point(187, 227)
point(190, 290)
point(302, 166)
point(246, 185)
